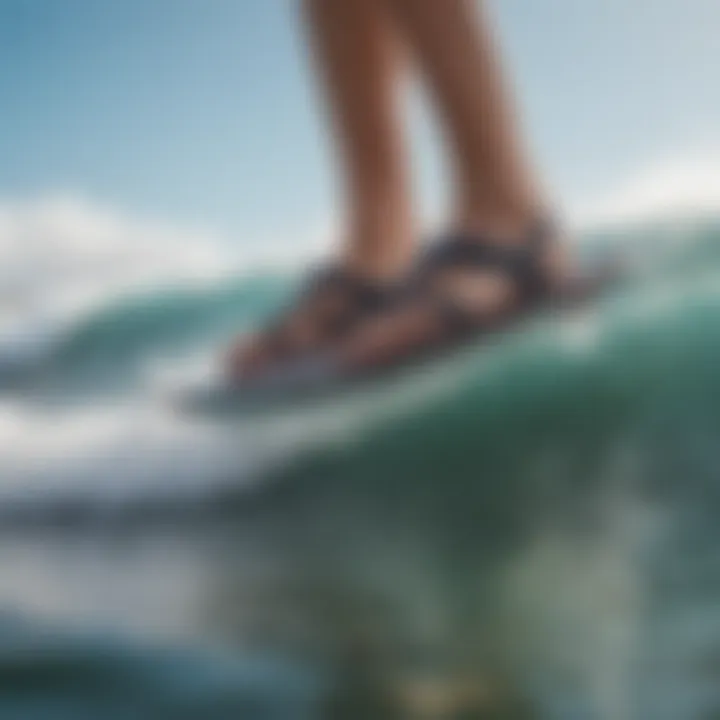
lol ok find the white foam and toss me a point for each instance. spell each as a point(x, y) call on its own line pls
point(112, 456)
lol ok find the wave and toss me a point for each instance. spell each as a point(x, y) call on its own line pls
point(549, 501)
point(94, 428)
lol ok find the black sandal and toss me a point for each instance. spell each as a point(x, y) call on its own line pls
point(438, 320)
point(332, 301)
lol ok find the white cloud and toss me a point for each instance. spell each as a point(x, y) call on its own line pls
point(671, 189)
point(61, 256)
point(73, 251)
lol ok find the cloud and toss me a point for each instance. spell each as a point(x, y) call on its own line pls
point(681, 188)
point(62, 255)
point(67, 243)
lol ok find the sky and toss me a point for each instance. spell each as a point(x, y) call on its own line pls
point(203, 114)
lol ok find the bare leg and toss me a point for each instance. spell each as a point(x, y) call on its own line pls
point(496, 190)
point(497, 197)
point(358, 58)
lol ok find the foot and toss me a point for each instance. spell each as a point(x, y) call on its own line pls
point(331, 306)
point(466, 286)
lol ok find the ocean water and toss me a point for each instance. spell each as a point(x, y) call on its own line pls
point(528, 530)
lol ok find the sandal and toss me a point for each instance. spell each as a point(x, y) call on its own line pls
point(466, 288)
point(331, 304)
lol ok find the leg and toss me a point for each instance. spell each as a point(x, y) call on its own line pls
point(498, 202)
point(358, 59)
point(495, 188)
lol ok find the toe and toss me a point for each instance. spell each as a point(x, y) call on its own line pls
point(247, 357)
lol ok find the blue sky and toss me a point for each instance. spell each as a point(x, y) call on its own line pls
point(203, 112)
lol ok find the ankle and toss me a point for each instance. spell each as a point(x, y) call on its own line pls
point(383, 257)
point(380, 244)
point(501, 222)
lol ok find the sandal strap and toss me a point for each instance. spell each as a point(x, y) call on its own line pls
point(363, 298)
point(522, 263)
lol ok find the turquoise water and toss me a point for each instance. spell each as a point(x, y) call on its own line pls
point(528, 530)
